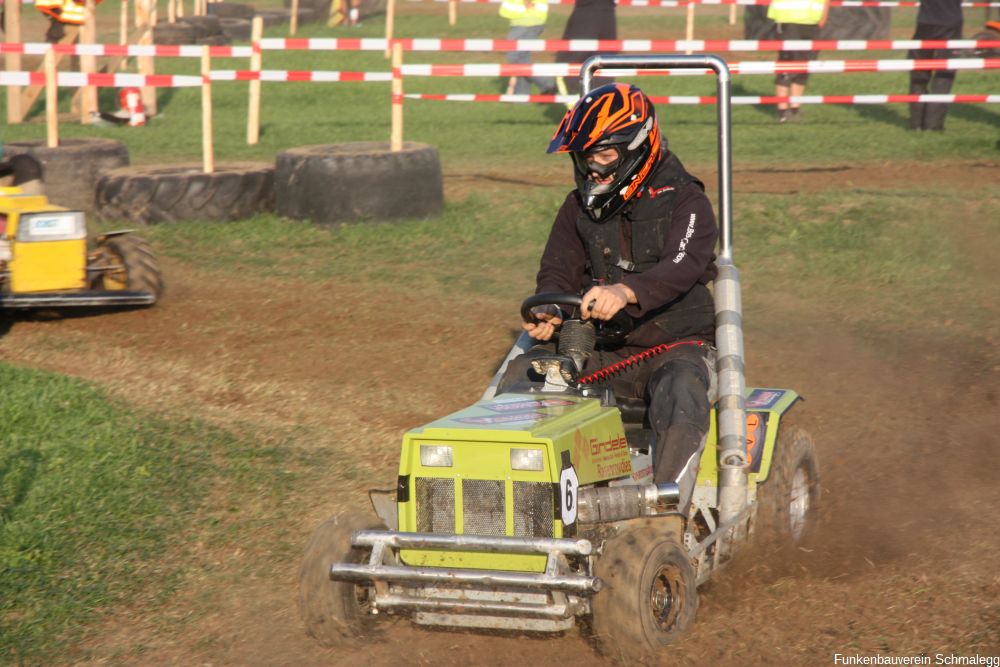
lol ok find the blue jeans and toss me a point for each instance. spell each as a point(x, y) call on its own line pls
point(523, 84)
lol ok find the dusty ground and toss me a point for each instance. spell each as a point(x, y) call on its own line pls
point(905, 560)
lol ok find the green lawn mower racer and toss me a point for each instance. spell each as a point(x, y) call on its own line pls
point(536, 510)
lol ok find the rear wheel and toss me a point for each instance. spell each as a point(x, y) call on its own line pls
point(129, 264)
point(650, 594)
point(788, 498)
point(335, 611)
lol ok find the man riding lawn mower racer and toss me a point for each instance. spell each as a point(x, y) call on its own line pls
point(539, 506)
point(45, 261)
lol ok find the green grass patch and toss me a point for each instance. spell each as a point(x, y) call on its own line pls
point(98, 501)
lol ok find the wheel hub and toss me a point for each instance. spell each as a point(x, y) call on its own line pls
point(662, 598)
point(798, 503)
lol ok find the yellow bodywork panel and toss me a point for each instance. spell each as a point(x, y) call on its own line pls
point(477, 472)
point(48, 245)
point(49, 266)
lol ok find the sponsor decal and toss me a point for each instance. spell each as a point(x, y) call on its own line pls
point(645, 472)
point(665, 188)
point(529, 404)
point(526, 417)
point(682, 247)
point(764, 398)
point(593, 448)
point(616, 469)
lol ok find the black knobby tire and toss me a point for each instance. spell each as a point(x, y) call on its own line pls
point(335, 611)
point(358, 181)
point(238, 30)
point(71, 170)
point(174, 34)
point(232, 10)
point(650, 594)
point(174, 193)
point(983, 52)
point(787, 500)
point(203, 26)
point(139, 268)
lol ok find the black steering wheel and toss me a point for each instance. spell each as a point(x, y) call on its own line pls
point(608, 332)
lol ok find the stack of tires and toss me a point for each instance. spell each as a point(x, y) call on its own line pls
point(192, 30)
point(324, 184)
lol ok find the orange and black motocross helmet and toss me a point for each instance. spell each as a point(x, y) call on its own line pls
point(617, 116)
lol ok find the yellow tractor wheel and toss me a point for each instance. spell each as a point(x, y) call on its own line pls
point(129, 264)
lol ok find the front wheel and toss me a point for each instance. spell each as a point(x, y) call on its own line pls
point(127, 263)
point(335, 611)
point(650, 594)
point(788, 498)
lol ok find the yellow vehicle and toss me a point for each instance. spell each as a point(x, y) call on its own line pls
point(45, 261)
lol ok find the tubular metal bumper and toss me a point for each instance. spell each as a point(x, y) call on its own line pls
point(76, 299)
point(551, 579)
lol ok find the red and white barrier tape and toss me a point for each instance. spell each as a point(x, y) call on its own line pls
point(186, 51)
point(747, 67)
point(285, 75)
point(499, 45)
point(741, 100)
point(626, 45)
point(684, 3)
point(78, 79)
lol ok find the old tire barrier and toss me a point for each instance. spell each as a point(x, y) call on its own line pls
point(238, 30)
point(358, 181)
point(174, 193)
point(71, 170)
point(231, 10)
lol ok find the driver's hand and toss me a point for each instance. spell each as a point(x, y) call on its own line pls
point(545, 328)
point(604, 301)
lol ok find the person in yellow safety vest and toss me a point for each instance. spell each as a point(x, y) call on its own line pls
point(796, 19)
point(64, 11)
point(527, 20)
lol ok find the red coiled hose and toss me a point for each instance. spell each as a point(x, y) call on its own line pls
point(645, 355)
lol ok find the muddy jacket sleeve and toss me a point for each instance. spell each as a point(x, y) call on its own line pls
point(564, 261)
point(687, 258)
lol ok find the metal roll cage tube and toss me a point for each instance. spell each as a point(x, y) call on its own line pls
point(728, 307)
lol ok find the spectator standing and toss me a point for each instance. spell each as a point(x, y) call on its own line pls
point(795, 19)
point(590, 19)
point(527, 20)
point(937, 19)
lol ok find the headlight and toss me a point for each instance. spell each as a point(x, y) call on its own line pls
point(435, 456)
point(527, 459)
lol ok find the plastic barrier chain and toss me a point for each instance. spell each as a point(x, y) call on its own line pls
point(500, 46)
point(748, 99)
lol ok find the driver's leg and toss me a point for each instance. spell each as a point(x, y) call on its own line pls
point(679, 408)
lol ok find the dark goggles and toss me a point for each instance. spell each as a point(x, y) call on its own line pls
point(586, 165)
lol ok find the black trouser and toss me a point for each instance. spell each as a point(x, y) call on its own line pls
point(924, 115)
point(793, 31)
point(676, 386)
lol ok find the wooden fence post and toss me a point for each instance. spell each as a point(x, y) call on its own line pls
point(396, 133)
point(15, 110)
point(51, 99)
point(88, 64)
point(256, 58)
point(689, 31)
point(390, 24)
point(207, 150)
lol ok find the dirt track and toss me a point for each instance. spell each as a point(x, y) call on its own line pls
point(906, 431)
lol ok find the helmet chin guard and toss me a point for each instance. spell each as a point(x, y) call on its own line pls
point(616, 116)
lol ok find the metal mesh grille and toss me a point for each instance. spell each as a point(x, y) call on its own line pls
point(483, 507)
point(435, 505)
point(533, 510)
